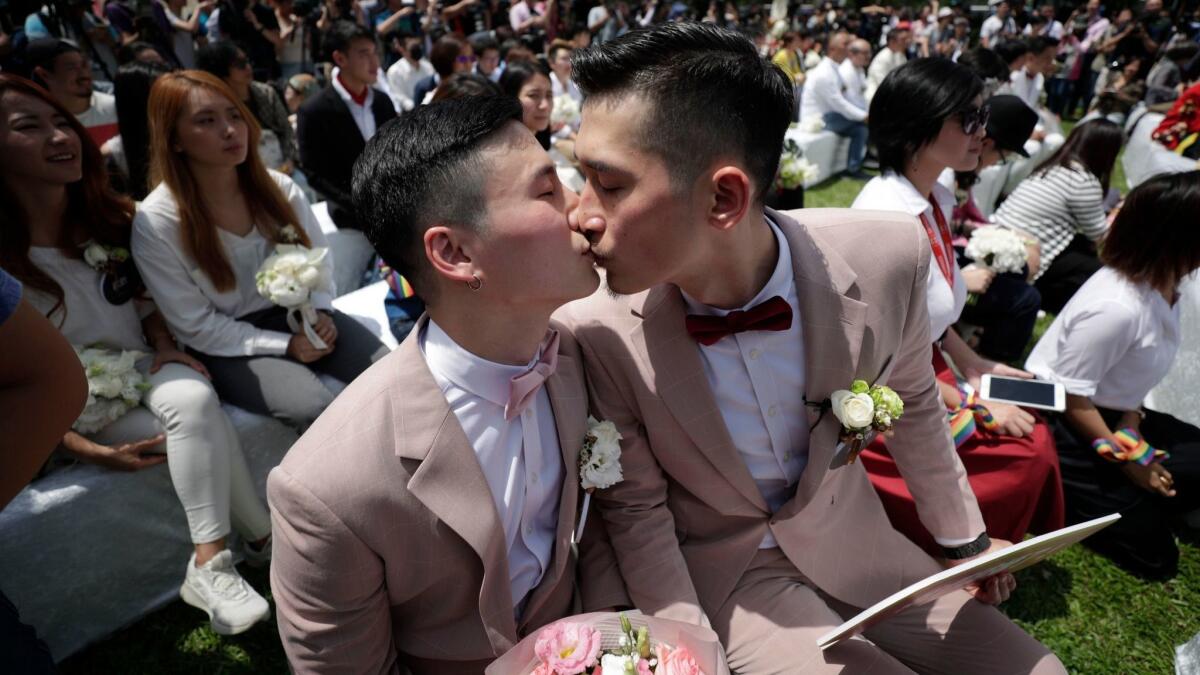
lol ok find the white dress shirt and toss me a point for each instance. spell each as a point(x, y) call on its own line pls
point(757, 378)
point(856, 83)
point(558, 88)
point(1027, 88)
point(884, 62)
point(202, 317)
point(1113, 342)
point(825, 91)
point(403, 77)
point(521, 458)
point(893, 192)
point(364, 119)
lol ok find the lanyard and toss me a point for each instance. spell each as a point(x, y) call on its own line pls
point(940, 243)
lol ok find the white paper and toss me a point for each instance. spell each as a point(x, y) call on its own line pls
point(1016, 557)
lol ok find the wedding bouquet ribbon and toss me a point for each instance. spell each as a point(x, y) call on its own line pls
point(307, 321)
point(1130, 447)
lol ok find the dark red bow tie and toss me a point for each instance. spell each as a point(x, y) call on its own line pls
point(773, 314)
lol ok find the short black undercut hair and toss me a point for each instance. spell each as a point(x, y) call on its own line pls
point(423, 169)
point(710, 93)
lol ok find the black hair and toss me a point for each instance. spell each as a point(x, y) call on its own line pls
point(339, 37)
point(421, 169)
point(1040, 43)
point(1011, 50)
point(217, 58)
point(1095, 144)
point(43, 53)
point(129, 52)
point(460, 85)
point(985, 63)
point(131, 88)
point(710, 93)
point(1147, 242)
point(482, 43)
point(913, 103)
point(515, 76)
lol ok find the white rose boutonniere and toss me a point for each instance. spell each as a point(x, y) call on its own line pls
point(599, 464)
point(863, 409)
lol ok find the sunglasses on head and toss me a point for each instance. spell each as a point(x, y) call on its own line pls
point(465, 59)
point(975, 119)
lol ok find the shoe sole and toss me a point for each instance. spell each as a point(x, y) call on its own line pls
point(193, 598)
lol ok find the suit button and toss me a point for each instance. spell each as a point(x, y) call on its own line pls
point(754, 354)
point(772, 411)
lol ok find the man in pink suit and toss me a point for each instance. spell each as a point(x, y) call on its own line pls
point(423, 524)
point(725, 331)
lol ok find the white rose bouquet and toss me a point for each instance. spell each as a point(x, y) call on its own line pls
point(599, 464)
point(290, 277)
point(812, 125)
point(565, 111)
point(998, 248)
point(115, 386)
point(862, 409)
point(794, 169)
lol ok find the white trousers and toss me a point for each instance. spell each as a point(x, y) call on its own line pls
point(204, 454)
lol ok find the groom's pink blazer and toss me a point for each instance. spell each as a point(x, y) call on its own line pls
point(688, 518)
point(388, 550)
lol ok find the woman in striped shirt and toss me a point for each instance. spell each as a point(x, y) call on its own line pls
point(1062, 205)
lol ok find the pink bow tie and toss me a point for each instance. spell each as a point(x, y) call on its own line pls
point(524, 387)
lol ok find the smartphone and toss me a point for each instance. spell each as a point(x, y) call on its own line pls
point(1029, 393)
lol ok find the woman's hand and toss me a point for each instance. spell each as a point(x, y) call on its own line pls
point(974, 370)
point(121, 457)
point(1012, 419)
point(978, 279)
point(171, 355)
point(1154, 478)
point(326, 329)
point(302, 350)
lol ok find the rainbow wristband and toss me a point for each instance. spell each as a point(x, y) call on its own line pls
point(1130, 447)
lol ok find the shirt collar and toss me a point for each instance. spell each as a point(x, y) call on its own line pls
point(345, 95)
point(485, 379)
point(913, 202)
point(781, 282)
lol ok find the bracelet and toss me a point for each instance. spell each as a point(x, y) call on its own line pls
point(1130, 447)
point(969, 550)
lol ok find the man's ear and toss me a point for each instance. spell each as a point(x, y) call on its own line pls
point(339, 59)
point(41, 76)
point(732, 196)
point(446, 251)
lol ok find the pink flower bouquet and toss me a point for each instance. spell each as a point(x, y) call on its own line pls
point(614, 644)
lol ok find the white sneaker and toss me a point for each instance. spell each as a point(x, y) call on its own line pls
point(257, 557)
point(232, 605)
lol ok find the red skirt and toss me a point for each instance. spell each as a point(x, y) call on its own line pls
point(1017, 481)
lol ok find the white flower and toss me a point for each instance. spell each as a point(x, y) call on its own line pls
point(566, 110)
point(997, 248)
point(95, 255)
point(288, 234)
point(291, 275)
point(812, 125)
point(854, 411)
point(795, 171)
point(600, 458)
point(115, 386)
point(615, 664)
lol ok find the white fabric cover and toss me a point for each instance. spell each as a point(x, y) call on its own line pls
point(824, 149)
point(1144, 158)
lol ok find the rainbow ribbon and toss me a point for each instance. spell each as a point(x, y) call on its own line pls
point(1130, 447)
point(970, 415)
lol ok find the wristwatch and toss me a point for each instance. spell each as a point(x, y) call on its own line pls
point(968, 550)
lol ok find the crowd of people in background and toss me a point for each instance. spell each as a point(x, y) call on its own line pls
point(194, 133)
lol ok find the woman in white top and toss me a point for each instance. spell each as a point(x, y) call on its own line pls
point(927, 116)
point(200, 261)
point(1112, 343)
point(1061, 204)
point(54, 202)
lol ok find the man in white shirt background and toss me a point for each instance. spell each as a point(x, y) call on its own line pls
point(891, 57)
point(1027, 83)
point(999, 26)
point(404, 74)
point(825, 98)
point(854, 71)
point(1052, 28)
point(66, 73)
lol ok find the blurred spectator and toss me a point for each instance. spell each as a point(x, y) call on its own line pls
point(77, 23)
point(449, 55)
point(894, 55)
point(299, 88)
point(253, 27)
point(999, 26)
point(825, 98)
point(292, 36)
point(854, 72)
point(335, 125)
point(1164, 84)
point(64, 71)
point(1049, 26)
point(128, 153)
point(560, 71)
point(182, 33)
point(529, 84)
point(141, 51)
point(487, 53)
point(277, 143)
point(1119, 95)
point(121, 17)
point(404, 75)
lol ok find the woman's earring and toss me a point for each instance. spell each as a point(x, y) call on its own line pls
point(477, 285)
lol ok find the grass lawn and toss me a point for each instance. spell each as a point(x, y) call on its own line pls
point(1098, 619)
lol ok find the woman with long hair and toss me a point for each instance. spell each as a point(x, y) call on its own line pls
point(1116, 340)
point(200, 238)
point(529, 83)
point(54, 204)
point(1061, 204)
point(927, 116)
point(128, 152)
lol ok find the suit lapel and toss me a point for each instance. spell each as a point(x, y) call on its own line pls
point(566, 390)
point(451, 484)
point(674, 358)
point(833, 330)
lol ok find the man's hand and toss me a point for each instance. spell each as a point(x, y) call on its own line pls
point(994, 589)
point(1154, 478)
point(1013, 420)
point(974, 370)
